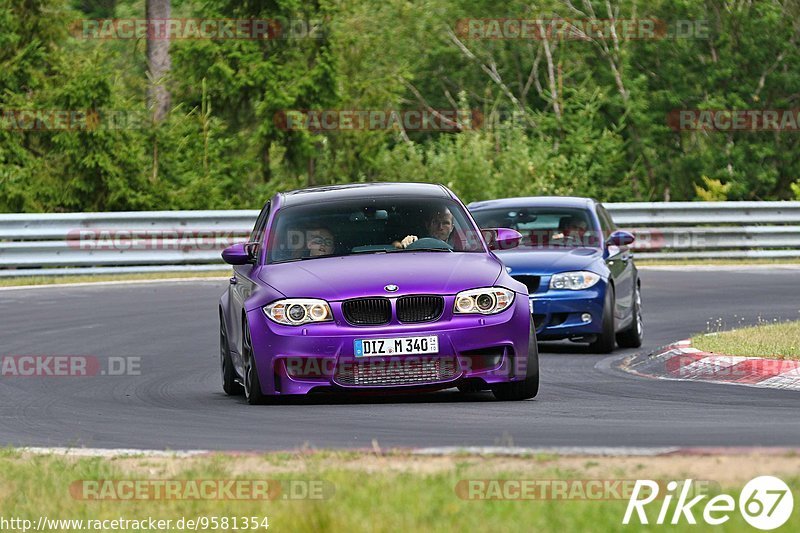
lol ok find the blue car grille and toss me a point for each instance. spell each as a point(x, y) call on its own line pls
point(532, 282)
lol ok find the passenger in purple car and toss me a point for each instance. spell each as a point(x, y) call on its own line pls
point(311, 241)
point(319, 242)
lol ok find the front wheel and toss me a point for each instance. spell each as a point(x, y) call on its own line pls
point(229, 383)
point(471, 387)
point(528, 387)
point(517, 390)
point(606, 339)
point(252, 385)
point(633, 336)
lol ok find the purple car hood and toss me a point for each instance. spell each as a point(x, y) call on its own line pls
point(339, 278)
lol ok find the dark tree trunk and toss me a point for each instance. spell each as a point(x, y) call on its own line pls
point(158, 60)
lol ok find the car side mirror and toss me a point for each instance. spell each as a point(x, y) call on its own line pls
point(502, 238)
point(620, 238)
point(240, 254)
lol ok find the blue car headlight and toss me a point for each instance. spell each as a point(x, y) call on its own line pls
point(574, 281)
point(298, 311)
point(487, 301)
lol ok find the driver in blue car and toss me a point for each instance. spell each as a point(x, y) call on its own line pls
point(439, 226)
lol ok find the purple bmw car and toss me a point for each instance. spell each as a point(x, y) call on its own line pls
point(376, 287)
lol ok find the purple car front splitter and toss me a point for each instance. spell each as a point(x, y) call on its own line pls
point(487, 349)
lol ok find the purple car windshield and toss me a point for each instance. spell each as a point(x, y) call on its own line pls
point(544, 227)
point(371, 225)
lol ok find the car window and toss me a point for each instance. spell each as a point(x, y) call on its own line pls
point(606, 222)
point(257, 235)
point(371, 225)
point(543, 226)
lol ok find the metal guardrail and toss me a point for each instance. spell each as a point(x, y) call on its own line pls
point(94, 243)
point(638, 214)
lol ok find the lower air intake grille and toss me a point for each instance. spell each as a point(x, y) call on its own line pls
point(367, 311)
point(375, 373)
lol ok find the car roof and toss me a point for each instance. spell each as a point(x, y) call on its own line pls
point(534, 201)
point(360, 190)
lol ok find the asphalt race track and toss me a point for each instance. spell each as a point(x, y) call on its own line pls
point(177, 403)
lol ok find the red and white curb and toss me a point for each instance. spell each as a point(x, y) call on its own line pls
point(681, 361)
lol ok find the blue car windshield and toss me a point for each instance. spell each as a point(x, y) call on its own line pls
point(371, 225)
point(544, 227)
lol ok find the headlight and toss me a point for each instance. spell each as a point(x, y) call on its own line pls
point(486, 301)
point(297, 311)
point(574, 281)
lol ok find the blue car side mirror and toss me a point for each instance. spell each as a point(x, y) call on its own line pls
point(620, 238)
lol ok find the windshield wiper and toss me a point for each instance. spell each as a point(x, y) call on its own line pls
point(379, 251)
point(292, 260)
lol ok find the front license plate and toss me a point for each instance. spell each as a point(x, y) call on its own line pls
point(397, 346)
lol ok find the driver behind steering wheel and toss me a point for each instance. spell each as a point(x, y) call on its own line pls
point(439, 226)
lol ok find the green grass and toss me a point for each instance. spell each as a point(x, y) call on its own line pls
point(373, 493)
point(771, 340)
point(55, 280)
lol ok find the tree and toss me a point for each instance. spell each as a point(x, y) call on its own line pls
point(158, 58)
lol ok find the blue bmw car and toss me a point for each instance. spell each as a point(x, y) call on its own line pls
point(580, 274)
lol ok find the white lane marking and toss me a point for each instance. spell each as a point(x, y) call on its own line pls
point(610, 451)
point(109, 452)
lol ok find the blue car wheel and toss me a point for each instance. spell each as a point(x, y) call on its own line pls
point(606, 340)
point(632, 336)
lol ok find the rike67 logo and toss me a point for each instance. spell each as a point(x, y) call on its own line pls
point(765, 503)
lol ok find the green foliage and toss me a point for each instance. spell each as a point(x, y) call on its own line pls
point(712, 190)
point(561, 117)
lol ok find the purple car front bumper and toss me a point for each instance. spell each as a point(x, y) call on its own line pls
point(484, 349)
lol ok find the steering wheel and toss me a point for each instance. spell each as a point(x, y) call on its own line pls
point(429, 242)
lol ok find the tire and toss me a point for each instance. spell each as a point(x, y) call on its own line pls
point(229, 383)
point(469, 388)
point(528, 387)
point(252, 385)
point(632, 336)
point(606, 340)
point(517, 390)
